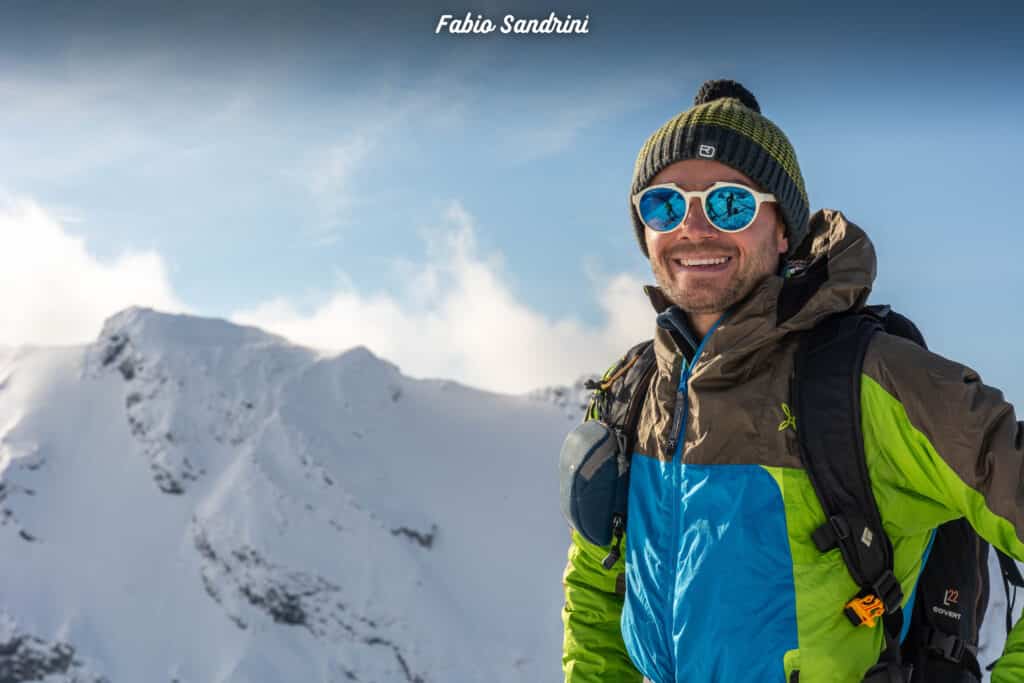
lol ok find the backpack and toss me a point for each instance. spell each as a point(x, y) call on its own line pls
point(935, 639)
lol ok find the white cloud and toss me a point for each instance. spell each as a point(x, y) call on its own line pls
point(330, 182)
point(52, 291)
point(457, 318)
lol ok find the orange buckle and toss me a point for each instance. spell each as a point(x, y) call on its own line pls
point(864, 611)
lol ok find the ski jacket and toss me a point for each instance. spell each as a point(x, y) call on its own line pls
point(720, 581)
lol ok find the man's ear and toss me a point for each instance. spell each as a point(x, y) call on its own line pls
point(783, 240)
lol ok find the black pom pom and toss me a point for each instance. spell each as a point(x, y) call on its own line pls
point(714, 90)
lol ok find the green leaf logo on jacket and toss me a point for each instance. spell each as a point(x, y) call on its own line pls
point(790, 421)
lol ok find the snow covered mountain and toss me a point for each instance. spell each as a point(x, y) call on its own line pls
point(191, 501)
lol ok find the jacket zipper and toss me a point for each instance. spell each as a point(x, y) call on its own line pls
point(682, 400)
point(680, 411)
point(674, 321)
point(680, 407)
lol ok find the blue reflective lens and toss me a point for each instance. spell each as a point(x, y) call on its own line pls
point(662, 208)
point(730, 208)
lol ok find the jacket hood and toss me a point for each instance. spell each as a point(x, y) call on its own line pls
point(832, 271)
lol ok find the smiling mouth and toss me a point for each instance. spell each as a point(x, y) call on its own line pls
point(708, 263)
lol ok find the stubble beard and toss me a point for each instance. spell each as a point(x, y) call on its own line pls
point(717, 298)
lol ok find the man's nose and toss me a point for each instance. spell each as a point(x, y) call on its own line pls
point(695, 224)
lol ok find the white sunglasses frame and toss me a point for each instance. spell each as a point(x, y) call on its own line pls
point(761, 198)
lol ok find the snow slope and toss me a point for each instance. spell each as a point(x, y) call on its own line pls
point(191, 501)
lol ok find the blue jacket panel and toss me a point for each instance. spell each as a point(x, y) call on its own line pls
point(709, 573)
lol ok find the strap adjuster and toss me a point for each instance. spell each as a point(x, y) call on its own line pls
point(949, 647)
point(884, 597)
point(864, 610)
point(887, 587)
point(831, 533)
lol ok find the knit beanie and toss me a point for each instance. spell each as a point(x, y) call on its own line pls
point(725, 124)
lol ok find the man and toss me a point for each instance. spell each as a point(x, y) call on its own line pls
point(720, 581)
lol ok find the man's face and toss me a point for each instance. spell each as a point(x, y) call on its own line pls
point(752, 254)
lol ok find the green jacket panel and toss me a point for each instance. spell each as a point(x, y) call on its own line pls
point(593, 650)
point(940, 445)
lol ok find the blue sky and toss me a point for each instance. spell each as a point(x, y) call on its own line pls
point(340, 174)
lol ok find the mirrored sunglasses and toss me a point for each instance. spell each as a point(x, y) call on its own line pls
point(729, 206)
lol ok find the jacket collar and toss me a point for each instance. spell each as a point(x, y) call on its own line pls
point(831, 272)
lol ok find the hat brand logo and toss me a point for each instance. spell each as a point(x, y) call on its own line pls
point(706, 151)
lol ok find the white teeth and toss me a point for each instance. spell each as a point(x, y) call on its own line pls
point(703, 261)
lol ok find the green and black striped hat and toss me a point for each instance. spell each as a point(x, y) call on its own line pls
point(725, 124)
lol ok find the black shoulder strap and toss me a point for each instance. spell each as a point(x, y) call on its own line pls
point(617, 401)
point(826, 397)
point(619, 395)
point(1012, 580)
point(1009, 569)
point(897, 324)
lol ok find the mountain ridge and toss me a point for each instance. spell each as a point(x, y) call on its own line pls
point(285, 514)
